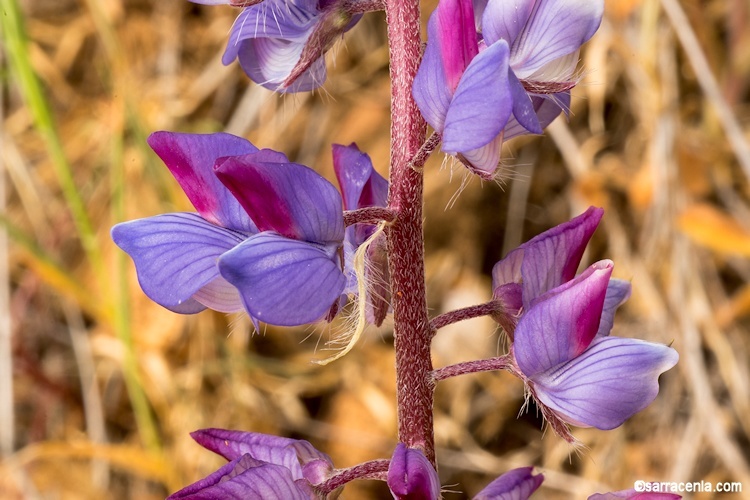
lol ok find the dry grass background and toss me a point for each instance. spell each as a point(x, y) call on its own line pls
point(99, 387)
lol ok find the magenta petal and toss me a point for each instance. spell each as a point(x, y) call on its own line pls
point(246, 478)
point(552, 258)
point(175, 257)
point(555, 28)
point(559, 325)
point(431, 90)
point(191, 158)
point(482, 103)
point(291, 199)
point(517, 484)
point(292, 454)
point(611, 381)
point(458, 37)
point(411, 475)
point(284, 282)
point(361, 185)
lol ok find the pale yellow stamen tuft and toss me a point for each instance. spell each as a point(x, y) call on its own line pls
point(361, 316)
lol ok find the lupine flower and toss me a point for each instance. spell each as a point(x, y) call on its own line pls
point(268, 235)
point(411, 475)
point(517, 484)
point(281, 44)
point(477, 89)
point(361, 187)
point(561, 344)
point(291, 272)
point(631, 494)
point(175, 254)
point(261, 466)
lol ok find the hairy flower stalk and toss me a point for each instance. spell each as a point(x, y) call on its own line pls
point(405, 237)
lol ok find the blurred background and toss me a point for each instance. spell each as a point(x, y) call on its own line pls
point(99, 387)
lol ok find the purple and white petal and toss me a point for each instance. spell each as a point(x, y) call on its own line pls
point(431, 90)
point(284, 282)
point(560, 325)
point(291, 20)
point(289, 453)
point(483, 161)
point(191, 158)
point(552, 258)
point(559, 71)
point(482, 104)
point(268, 39)
point(618, 291)
point(291, 199)
point(220, 296)
point(517, 484)
point(504, 19)
point(411, 475)
point(270, 61)
point(458, 37)
point(508, 270)
point(611, 381)
point(555, 28)
point(175, 257)
point(246, 477)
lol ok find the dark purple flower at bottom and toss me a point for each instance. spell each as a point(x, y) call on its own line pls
point(261, 467)
point(516, 484)
point(411, 476)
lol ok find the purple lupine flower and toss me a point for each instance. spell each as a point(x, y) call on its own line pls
point(561, 343)
point(361, 187)
point(586, 378)
point(411, 476)
point(261, 466)
point(275, 229)
point(281, 44)
point(632, 494)
point(175, 254)
point(516, 484)
point(291, 272)
point(513, 78)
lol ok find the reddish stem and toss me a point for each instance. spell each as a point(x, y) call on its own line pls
point(412, 332)
point(482, 365)
point(375, 469)
point(486, 309)
point(368, 215)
